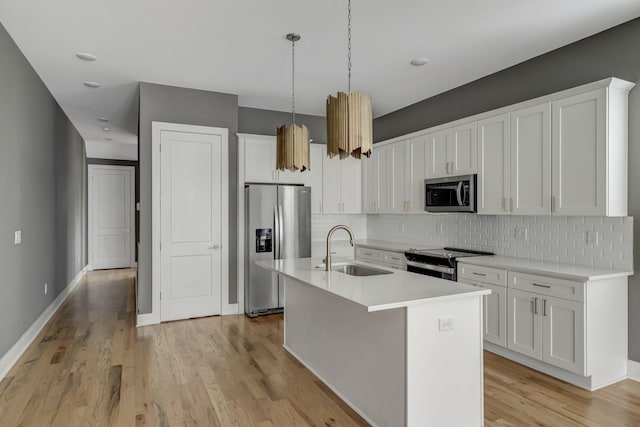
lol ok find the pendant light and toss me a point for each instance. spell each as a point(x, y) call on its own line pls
point(293, 140)
point(349, 121)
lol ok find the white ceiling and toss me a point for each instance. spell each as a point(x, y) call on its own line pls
point(238, 47)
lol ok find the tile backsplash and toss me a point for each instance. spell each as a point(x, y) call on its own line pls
point(592, 241)
point(321, 224)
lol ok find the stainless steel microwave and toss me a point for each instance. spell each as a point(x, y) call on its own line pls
point(450, 194)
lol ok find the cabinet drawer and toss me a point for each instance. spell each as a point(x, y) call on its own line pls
point(395, 259)
point(492, 276)
point(550, 286)
point(369, 254)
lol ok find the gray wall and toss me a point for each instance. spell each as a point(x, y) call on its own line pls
point(42, 192)
point(610, 53)
point(186, 106)
point(265, 122)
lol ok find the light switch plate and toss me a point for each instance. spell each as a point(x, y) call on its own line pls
point(17, 237)
point(447, 324)
point(593, 238)
point(522, 234)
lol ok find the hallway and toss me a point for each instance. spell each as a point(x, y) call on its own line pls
point(91, 366)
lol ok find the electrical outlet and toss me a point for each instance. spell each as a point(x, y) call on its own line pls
point(46, 289)
point(522, 234)
point(593, 238)
point(447, 324)
point(17, 237)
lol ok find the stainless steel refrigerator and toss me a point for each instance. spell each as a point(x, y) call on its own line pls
point(277, 226)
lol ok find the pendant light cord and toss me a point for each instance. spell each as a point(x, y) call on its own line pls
point(349, 43)
point(293, 81)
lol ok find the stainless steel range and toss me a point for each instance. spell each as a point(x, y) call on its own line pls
point(438, 262)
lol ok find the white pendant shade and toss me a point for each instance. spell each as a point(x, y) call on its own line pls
point(349, 125)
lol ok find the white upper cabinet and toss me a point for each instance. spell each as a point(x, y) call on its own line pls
point(260, 162)
point(416, 167)
point(531, 160)
point(370, 176)
point(397, 159)
point(494, 165)
point(580, 151)
point(341, 185)
point(313, 177)
point(454, 151)
point(463, 149)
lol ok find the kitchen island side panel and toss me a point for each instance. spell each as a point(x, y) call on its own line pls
point(359, 355)
point(445, 363)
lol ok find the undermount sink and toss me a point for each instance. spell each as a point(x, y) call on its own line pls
point(358, 270)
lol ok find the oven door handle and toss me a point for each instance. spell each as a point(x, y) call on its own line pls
point(459, 193)
point(424, 266)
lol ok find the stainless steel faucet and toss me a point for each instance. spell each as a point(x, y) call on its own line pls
point(327, 260)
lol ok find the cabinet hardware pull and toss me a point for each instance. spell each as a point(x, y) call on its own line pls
point(511, 201)
point(535, 305)
point(553, 203)
point(541, 286)
point(480, 274)
point(544, 307)
point(504, 204)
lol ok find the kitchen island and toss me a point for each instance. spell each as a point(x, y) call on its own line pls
point(401, 349)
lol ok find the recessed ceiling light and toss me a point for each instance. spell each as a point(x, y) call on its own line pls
point(103, 119)
point(92, 84)
point(86, 56)
point(106, 129)
point(419, 61)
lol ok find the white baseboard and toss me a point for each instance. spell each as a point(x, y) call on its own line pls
point(147, 319)
point(633, 370)
point(13, 355)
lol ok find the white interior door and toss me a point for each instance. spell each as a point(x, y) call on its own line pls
point(192, 208)
point(111, 216)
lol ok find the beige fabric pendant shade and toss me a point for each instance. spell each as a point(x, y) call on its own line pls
point(349, 125)
point(293, 148)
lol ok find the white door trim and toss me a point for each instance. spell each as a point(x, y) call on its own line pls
point(90, 170)
point(156, 131)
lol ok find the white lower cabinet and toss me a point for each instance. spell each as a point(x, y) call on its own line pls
point(575, 330)
point(494, 320)
point(391, 259)
point(548, 329)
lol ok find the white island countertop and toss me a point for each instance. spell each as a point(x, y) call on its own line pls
point(374, 293)
point(555, 269)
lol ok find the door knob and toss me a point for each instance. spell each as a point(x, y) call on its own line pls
point(214, 247)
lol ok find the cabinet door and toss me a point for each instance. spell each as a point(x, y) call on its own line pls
point(351, 185)
point(416, 166)
point(370, 183)
point(495, 315)
point(313, 177)
point(260, 160)
point(463, 149)
point(531, 160)
point(384, 180)
point(524, 323)
point(579, 154)
point(331, 185)
point(398, 199)
point(438, 163)
point(494, 165)
point(563, 332)
point(288, 177)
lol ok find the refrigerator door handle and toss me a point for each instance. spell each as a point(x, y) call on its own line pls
point(276, 232)
point(281, 232)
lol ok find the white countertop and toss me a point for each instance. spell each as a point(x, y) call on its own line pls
point(375, 293)
point(388, 246)
point(561, 271)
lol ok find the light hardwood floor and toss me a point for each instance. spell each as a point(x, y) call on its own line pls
point(91, 366)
